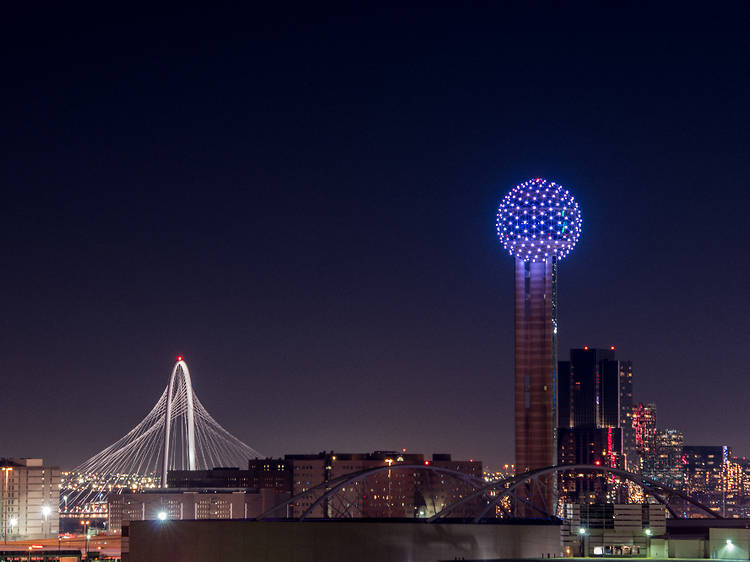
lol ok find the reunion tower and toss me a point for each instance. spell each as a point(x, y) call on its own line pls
point(538, 223)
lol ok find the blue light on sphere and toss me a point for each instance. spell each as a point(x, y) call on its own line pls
point(538, 219)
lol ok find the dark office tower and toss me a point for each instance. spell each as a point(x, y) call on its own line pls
point(589, 389)
point(589, 410)
point(535, 352)
point(589, 414)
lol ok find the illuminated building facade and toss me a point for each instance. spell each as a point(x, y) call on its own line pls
point(644, 433)
point(666, 464)
point(704, 474)
point(189, 503)
point(538, 223)
point(29, 497)
point(736, 487)
point(626, 414)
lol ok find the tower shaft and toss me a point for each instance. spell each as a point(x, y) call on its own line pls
point(535, 363)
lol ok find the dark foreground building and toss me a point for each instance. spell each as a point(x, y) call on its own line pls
point(338, 540)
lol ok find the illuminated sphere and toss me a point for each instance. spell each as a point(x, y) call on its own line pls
point(538, 219)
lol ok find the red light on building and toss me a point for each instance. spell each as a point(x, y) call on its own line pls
point(427, 463)
point(597, 462)
point(585, 348)
point(612, 347)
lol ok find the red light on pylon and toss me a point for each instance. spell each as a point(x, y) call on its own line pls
point(179, 358)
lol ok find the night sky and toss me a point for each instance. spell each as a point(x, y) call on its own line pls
point(303, 205)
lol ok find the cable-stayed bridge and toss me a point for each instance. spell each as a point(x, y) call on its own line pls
point(177, 434)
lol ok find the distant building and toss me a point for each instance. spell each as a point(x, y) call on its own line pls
point(644, 434)
point(626, 414)
point(190, 503)
point(219, 477)
point(29, 497)
point(666, 464)
point(736, 475)
point(272, 473)
point(391, 493)
point(704, 471)
point(261, 473)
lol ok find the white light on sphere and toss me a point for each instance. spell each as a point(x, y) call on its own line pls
point(522, 224)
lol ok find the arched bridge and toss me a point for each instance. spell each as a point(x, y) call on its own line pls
point(488, 497)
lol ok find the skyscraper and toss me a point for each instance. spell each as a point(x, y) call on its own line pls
point(704, 469)
point(589, 409)
point(539, 223)
point(644, 434)
point(666, 465)
point(626, 414)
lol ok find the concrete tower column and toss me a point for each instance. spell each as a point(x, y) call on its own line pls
point(536, 378)
point(535, 363)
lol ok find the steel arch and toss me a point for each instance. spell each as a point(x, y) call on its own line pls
point(657, 490)
point(333, 486)
point(179, 367)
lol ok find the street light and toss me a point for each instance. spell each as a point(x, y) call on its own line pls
point(582, 532)
point(12, 522)
point(162, 516)
point(46, 510)
point(648, 533)
point(7, 470)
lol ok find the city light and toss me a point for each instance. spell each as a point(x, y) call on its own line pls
point(648, 532)
point(162, 516)
point(538, 219)
point(46, 510)
point(581, 531)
